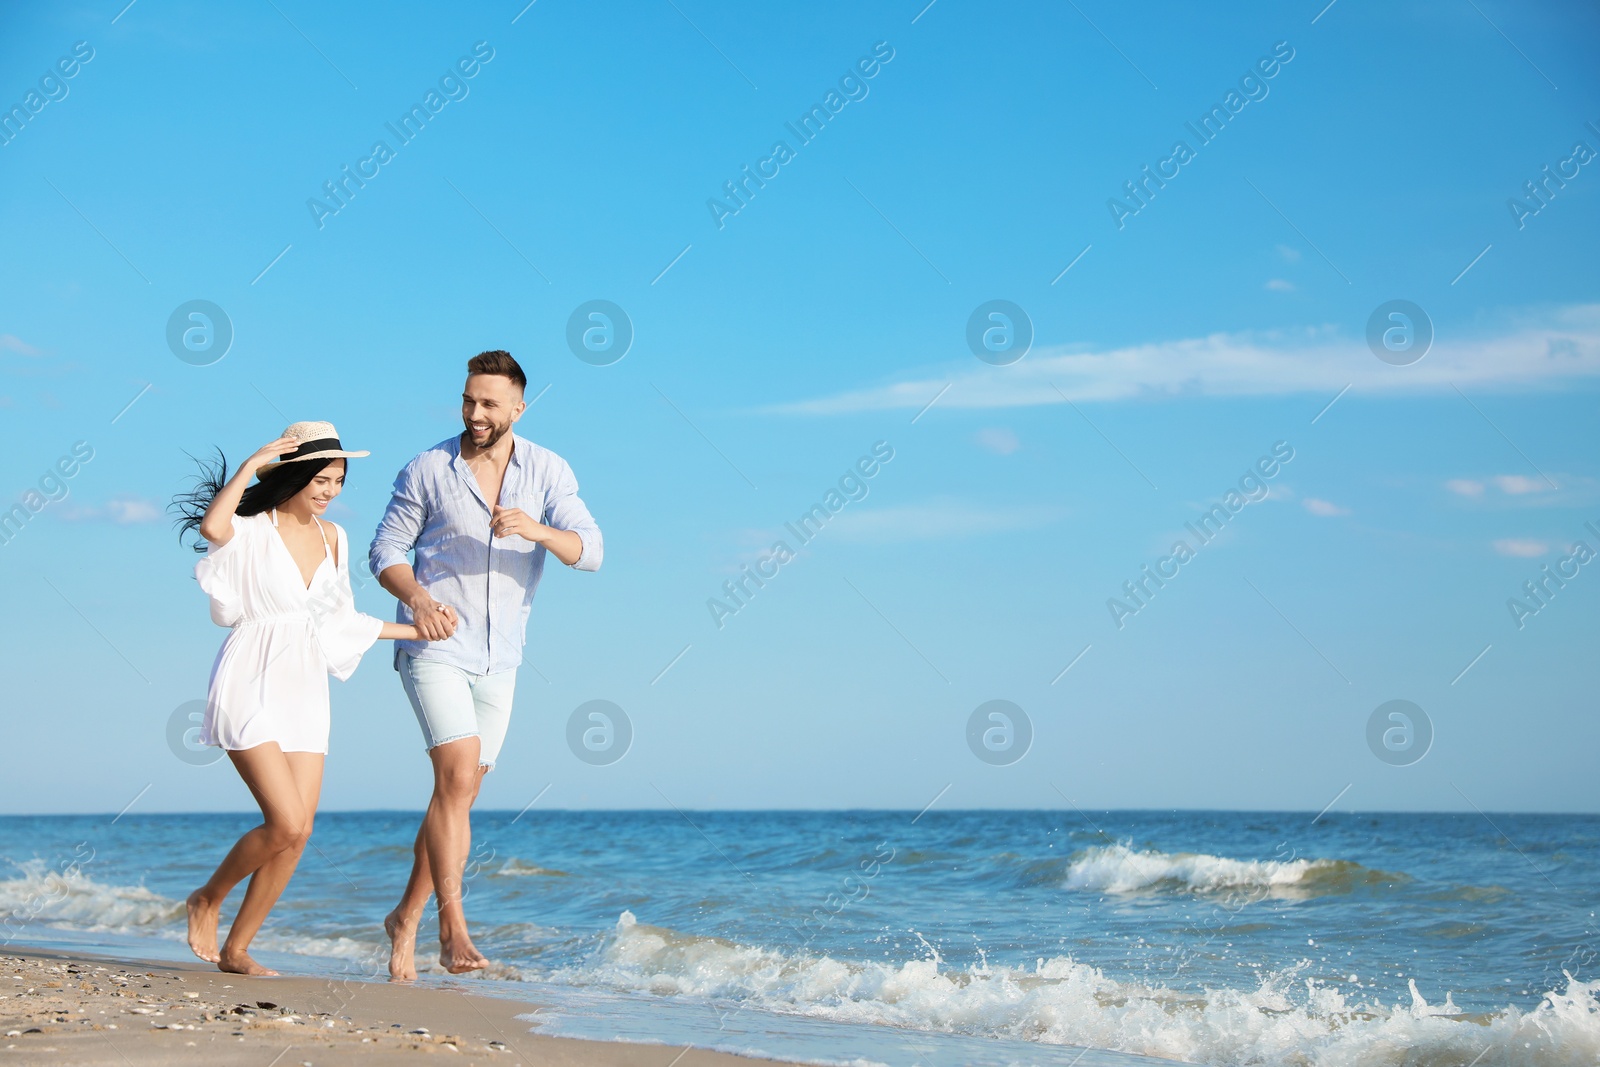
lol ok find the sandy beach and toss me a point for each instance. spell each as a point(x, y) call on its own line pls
point(75, 1008)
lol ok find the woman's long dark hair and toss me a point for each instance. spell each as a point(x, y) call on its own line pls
point(270, 490)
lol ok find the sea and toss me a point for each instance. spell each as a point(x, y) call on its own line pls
point(960, 938)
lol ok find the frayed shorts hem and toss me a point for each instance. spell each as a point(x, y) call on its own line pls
point(487, 765)
point(451, 704)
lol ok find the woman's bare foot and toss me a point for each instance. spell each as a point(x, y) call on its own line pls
point(402, 947)
point(241, 963)
point(203, 926)
point(460, 955)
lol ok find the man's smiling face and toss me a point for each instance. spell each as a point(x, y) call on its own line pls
point(490, 404)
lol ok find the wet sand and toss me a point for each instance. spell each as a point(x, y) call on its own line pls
point(75, 1008)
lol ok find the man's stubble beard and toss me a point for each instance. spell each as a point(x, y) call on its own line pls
point(495, 433)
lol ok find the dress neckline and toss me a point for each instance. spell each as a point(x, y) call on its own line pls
point(327, 549)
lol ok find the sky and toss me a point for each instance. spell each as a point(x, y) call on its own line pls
point(1349, 310)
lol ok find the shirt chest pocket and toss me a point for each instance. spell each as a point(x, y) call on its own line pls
point(532, 503)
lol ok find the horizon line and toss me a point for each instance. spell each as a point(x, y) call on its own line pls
point(418, 812)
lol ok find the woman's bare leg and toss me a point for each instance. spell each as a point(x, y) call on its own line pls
point(266, 885)
point(248, 855)
point(287, 787)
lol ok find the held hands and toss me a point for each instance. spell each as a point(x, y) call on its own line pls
point(508, 521)
point(434, 621)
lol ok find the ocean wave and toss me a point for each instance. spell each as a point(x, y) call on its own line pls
point(515, 868)
point(1286, 1019)
point(1120, 869)
point(70, 897)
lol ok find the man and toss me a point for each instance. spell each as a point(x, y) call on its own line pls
point(479, 512)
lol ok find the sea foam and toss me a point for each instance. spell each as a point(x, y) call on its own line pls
point(70, 897)
point(1285, 1019)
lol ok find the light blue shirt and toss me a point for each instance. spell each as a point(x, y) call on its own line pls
point(438, 513)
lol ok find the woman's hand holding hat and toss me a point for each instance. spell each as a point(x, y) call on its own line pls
point(269, 452)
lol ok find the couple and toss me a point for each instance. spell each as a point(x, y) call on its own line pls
point(470, 522)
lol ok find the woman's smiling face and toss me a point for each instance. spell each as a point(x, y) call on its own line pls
point(328, 483)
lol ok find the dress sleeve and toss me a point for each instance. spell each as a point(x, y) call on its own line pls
point(222, 573)
point(343, 633)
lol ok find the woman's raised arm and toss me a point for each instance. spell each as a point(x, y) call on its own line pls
point(216, 525)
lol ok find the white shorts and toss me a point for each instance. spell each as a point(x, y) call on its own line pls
point(451, 704)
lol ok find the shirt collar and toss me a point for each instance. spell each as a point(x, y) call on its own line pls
point(519, 448)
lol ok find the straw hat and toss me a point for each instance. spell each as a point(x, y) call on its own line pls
point(318, 440)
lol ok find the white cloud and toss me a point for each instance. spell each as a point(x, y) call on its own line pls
point(1514, 485)
point(130, 509)
point(1519, 484)
point(1522, 549)
point(1280, 285)
point(124, 510)
point(1324, 508)
point(1321, 361)
point(1290, 255)
point(1000, 441)
point(936, 519)
point(10, 342)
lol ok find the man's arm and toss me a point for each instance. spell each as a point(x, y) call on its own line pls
point(563, 544)
point(434, 621)
point(572, 535)
point(398, 532)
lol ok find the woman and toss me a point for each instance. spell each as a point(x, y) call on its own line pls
point(278, 574)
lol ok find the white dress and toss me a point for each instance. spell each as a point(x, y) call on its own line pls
point(270, 680)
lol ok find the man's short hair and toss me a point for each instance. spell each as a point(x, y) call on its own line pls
point(498, 362)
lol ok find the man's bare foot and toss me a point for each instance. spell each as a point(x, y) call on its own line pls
point(402, 947)
point(203, 926)
point(460, 955)
point(241, 963)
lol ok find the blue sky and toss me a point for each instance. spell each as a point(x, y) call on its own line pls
point(1375, 163)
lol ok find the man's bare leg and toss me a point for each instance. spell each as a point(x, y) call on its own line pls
point(448, 826)
point(401, 923)
point(443, 843)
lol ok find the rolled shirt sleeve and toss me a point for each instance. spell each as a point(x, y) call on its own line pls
point(565, 510)
point(401, 525)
